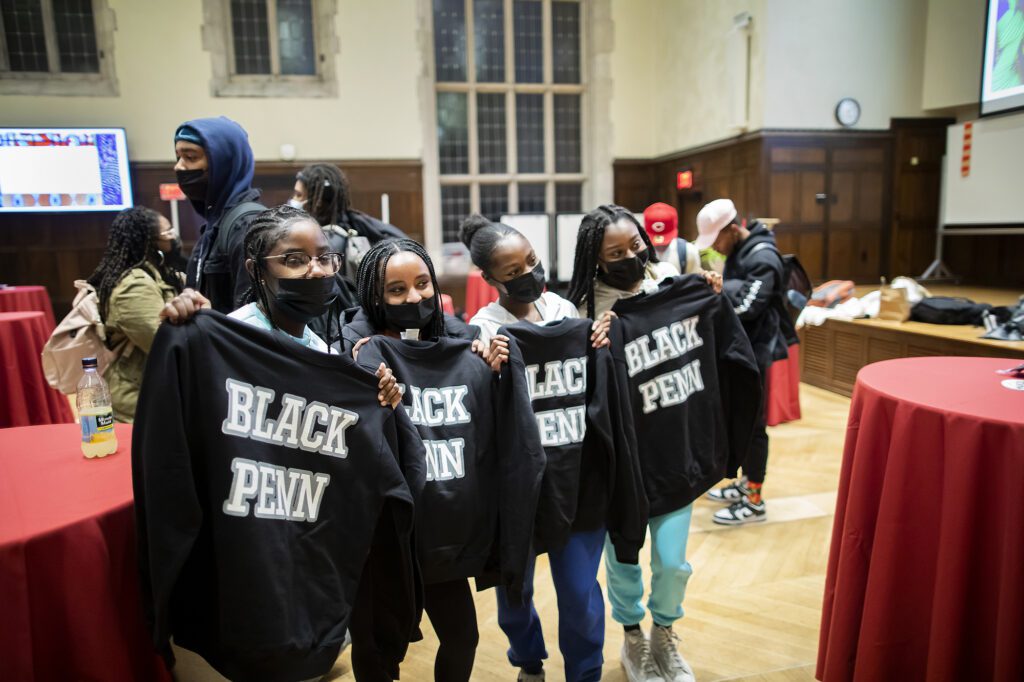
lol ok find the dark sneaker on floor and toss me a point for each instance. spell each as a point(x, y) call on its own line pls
point(727, 494)
point(530, 677)
point(741, 512)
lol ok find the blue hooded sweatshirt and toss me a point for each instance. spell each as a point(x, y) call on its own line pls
point(230, 167)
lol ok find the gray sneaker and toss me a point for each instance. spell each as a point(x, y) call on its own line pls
point(637, 660)
point(665, 652)
point(530, 677)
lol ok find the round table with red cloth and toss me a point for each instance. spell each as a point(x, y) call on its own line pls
point(478, 293)
point(69, 581)
point(25, 397)
point(28, 299)
point(926, 572)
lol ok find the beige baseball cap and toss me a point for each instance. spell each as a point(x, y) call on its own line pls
point(712, 218)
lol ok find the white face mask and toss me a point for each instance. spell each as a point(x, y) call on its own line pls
point(295, 203)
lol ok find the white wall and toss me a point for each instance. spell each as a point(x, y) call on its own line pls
point(953, 47)
point(633, 79)
point(164, 77)
point(693, 96)
point(816, 53)
point(673, 71)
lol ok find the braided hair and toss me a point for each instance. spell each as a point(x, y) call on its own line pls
point(267, 229)
point(588, 250)
point(327, 197)
point(131, 243)
point(481, 236)
point(371, 279)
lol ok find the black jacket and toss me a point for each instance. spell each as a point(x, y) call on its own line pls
point(693, 384)
point(753, 283)
point(224, 278)
point(592, 479)
point(484, 458)
point(250, 550)
point(355, 326)
point(219, 273)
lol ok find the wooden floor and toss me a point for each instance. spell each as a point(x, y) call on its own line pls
point(753, 605)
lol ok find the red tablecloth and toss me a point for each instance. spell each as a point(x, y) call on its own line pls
point(25, 397)
point(478, 293)
point(784, 389)
point(926, 571)
point(68, 577)
point(28, 299)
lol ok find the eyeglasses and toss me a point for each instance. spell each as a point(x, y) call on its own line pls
point(300, 264)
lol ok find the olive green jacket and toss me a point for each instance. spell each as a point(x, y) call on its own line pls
point(133, 316)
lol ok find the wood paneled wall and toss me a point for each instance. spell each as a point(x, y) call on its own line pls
point(55, 249)
point(829, 190)
point(852, 204)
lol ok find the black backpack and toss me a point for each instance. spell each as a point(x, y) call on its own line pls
point(949, 310)
point(796, 286)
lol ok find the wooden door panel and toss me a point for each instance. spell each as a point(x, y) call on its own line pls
point(783, 201)
point(853, 253)
point(842, 196)
point(812, 183)
point(871, 197)
point(811, 250)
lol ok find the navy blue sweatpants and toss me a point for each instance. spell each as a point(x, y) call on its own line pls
point(580, 612)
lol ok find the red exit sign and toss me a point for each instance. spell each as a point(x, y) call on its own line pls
point(684, 179)
point(171, 192)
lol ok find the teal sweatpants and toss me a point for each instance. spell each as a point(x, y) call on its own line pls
point(669, 573)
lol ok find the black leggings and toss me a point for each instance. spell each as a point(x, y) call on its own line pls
point(453, 614)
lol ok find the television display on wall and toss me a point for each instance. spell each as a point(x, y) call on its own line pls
point(1002, 75)
point(64, 170)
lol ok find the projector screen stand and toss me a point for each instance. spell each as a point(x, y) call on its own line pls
point(938, 272)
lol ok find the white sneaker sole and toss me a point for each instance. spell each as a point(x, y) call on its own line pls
point(632, 674)
point(721, 500)
point(740, 522)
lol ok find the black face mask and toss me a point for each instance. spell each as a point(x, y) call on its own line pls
point(624, 274)
point(175, 250)
point(404, 316)
point(526, 288)
point(304, 299)
point(194, 183)
point(173, 257)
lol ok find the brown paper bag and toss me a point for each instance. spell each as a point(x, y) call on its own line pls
point(894, 304)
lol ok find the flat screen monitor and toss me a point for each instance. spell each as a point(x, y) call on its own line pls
point(63, 170)
point(1002, 73)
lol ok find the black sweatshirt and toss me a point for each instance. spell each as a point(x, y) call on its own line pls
point(753, 283)
point(694, 386)
point(260, 470)
point(483, 454)
point(592, 479)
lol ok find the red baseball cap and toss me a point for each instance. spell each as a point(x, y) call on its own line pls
point(662, 223)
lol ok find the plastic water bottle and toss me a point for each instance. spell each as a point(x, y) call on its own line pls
point(95, 413)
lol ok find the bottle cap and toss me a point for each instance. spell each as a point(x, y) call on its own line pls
point(89, 363)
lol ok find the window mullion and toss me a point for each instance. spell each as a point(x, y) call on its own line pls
point(511, 154)
point(230, 47)
point(584, 101)
point(50, 36)
point(549, 106)
point(471, 113)
point(275, 50)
